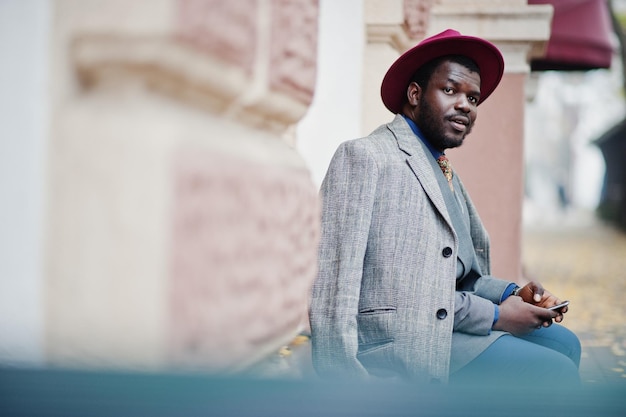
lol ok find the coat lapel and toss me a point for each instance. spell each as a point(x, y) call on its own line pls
point(420, 163)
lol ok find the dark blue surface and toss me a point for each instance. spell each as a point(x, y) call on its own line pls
point(81, 393)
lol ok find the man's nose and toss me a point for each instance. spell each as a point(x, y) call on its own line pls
point(463, 103)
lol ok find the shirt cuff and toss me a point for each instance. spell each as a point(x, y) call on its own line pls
point(496, 314)
point(508, 291)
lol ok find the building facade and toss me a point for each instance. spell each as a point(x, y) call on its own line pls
point(171, 204)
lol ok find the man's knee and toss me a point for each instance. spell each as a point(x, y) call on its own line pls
point(558, 338)
point(511, 360)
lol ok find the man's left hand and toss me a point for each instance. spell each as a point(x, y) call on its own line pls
point(534, 293)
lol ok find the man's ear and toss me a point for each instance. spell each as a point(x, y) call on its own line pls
point(413, 93)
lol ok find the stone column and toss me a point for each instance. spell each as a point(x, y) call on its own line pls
point(492, 160)
point(182, 225)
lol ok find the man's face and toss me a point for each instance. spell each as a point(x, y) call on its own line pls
point(447, 107)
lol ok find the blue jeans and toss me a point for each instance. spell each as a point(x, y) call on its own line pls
point(548, 356)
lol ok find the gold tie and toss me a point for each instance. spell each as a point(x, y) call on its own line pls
point(446, 168)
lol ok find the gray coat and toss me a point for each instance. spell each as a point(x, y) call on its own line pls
point(386, 300)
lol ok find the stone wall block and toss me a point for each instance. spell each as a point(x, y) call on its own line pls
point(224, 29)
point(294, 48)
point(416, 17)
point(244, 250)
point(253, 61)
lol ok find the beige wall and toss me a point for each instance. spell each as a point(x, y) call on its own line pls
point(24, 35)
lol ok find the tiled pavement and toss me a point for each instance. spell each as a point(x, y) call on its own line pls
point(584, 261)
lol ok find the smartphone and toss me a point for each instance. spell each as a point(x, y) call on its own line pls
point(559, 306)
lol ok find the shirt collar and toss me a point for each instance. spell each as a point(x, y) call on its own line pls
point(436, 153)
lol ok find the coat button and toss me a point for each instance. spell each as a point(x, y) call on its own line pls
point(442, 313)
point(447, 251)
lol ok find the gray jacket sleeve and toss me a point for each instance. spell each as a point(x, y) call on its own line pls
point(347, 194)
point(474, 310)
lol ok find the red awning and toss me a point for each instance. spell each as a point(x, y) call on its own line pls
point(580, 38)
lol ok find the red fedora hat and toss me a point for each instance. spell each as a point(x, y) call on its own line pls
point(449, 42)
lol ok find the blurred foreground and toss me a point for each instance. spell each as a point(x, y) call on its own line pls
point(62, 393)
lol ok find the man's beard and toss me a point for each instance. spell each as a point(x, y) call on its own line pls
point(433, 128)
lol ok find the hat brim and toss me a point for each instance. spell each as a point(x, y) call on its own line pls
point(483, 53)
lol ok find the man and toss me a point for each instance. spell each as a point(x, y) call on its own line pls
point(404, 286)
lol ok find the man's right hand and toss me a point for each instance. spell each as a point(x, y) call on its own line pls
point(518, 317)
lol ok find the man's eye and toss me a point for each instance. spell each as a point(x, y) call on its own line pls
point(448, 90)
point(472, 99)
